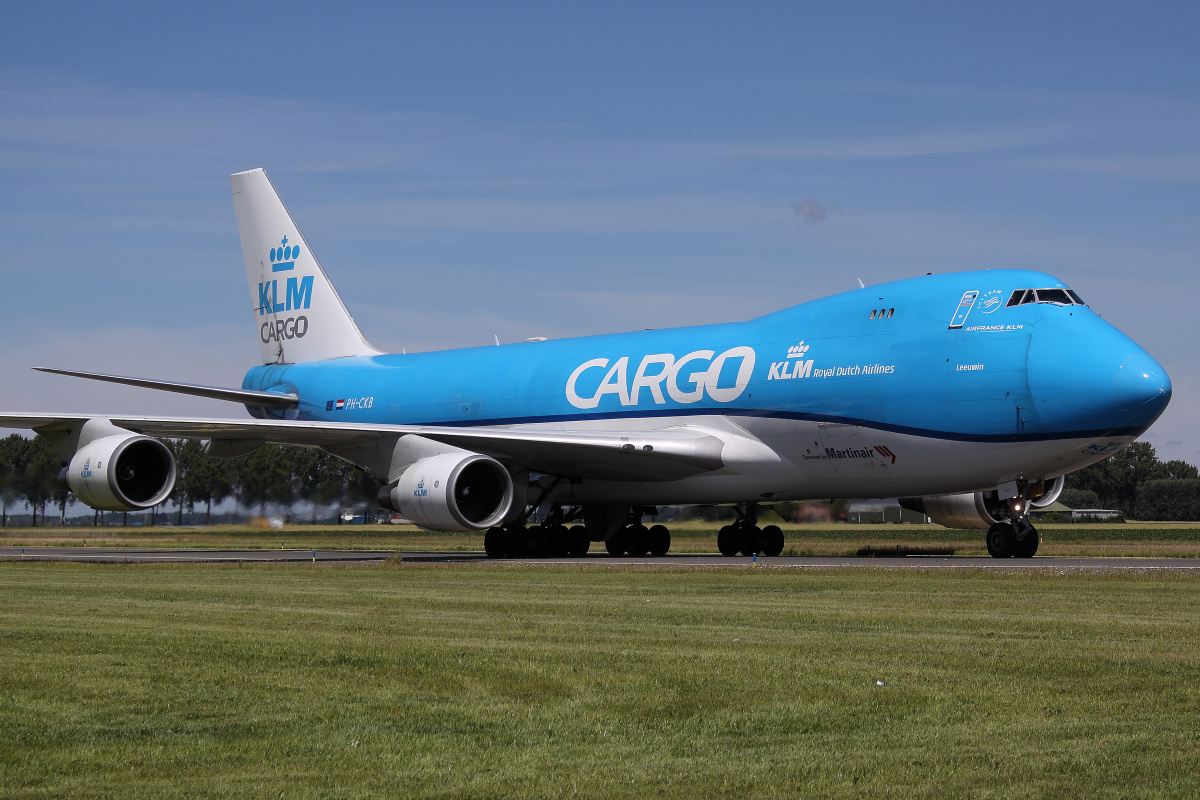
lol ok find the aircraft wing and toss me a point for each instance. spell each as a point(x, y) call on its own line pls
point(657, 455)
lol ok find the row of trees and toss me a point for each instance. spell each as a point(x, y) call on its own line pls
point(1134, 481)
point(270, 476)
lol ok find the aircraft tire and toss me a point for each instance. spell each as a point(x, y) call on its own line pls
point(772, 540)
point(751, 540)
point(1027, 548)
point(539, 540)
point(727, 541)
point(516, 541)
point(639, 540)
point(1001, 540)
point(615, 544)
point(578, 541)
point(557, 541)
point(660, 540)
point(494, 541)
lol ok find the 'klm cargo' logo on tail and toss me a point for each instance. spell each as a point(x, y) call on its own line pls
point(297, 295)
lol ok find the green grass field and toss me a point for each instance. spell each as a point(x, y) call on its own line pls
point(1133, 539)
point(502, 681)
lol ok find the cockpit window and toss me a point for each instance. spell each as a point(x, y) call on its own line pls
point(1064, 297)
point(1054, 296)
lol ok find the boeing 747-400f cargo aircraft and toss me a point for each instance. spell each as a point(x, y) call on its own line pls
point(969, 396)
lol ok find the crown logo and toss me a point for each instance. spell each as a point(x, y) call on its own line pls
point(284, 257)
point(797, 351)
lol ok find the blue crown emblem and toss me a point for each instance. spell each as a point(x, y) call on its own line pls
point(284, 257)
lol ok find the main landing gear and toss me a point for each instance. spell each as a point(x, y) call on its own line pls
point(745, 537)
point(553, 539)
point(635, 539)
point(1016, 538)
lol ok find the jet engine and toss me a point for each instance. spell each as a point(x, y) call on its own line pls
point(972, 510)
point(1048, 494)
point(978, 510)
point(121, 472)
point(452, 492)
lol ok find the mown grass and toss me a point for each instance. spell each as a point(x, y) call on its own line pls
point(1160, 539)
point(499, 681)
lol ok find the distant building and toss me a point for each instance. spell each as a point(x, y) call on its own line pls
point(1081, 514)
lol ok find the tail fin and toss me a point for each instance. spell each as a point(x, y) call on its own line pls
point(298, 315)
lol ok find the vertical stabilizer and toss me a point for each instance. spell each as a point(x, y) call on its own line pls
point(298, 315)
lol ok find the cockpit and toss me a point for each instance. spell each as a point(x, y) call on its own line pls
point(1062, 297)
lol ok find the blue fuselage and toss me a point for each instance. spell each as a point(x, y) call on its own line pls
point(942, 357)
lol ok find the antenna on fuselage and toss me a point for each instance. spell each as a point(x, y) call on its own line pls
point(497, 339)
point(861, 285)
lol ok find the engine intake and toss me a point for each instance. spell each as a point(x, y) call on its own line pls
point(121, 472)
point(452, 492)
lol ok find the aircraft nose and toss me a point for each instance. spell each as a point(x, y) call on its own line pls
point(1141, 387)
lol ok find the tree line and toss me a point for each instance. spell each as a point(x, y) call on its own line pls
point(270, 476)
point(1135, 482)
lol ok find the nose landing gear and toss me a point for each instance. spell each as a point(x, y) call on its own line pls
point(1016, 538)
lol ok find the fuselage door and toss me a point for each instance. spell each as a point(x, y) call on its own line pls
point(964, 308)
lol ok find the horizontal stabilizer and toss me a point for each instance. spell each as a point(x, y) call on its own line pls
point(262, 399)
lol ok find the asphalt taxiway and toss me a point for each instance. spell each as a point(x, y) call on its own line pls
point(681, 560)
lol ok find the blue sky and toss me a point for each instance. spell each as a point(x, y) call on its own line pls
point(470, 170)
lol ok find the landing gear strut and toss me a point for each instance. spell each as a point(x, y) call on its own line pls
point(745, 537)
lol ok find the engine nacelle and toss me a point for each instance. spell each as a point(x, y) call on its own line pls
point(121, 472)
point(452, 492)
point(975, 510)
point(1050, 493)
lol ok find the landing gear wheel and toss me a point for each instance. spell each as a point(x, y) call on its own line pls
point(638, 543)
point(1029, 546)
point(727, 541)
point(615, 544)
point(660, 540)
point(751, 540)
point(578, 541)
point(517, 541)
point(494, 541)
point(540, 538)
point(1001, 540)
point(772, 540)
point(556, 541)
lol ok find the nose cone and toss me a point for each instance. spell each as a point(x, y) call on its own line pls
point(1087, 376)
point(1141, 389)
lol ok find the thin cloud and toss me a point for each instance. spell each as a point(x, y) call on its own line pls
point(812, 210)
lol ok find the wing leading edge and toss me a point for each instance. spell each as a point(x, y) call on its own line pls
point(660, 455)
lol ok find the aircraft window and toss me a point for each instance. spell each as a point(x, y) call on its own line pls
point(1064, 297)
point(873, 313)
point(1054, 296)
point(890, 312)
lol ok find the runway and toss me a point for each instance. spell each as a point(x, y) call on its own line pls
point(115, 555)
